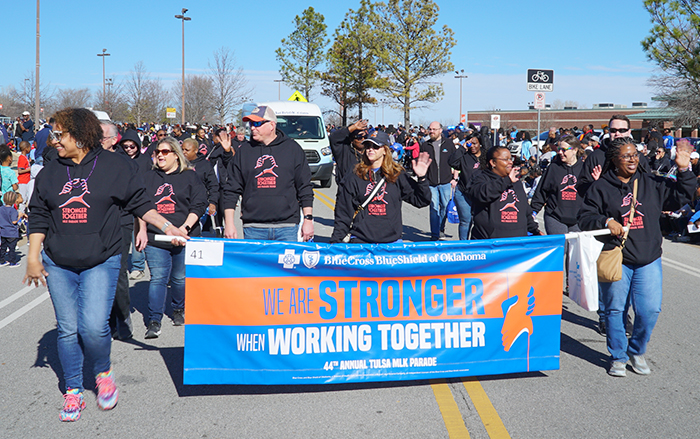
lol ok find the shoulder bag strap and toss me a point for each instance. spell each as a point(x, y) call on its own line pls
point(632, 211)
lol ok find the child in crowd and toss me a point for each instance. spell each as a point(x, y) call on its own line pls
point(9, 233)
point(9, 177)
point(23, 173)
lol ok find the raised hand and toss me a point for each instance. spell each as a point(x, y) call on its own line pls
point(421, 164)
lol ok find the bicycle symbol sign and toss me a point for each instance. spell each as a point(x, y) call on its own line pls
point(540, 80)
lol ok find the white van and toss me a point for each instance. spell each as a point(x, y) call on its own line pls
point(304, 123)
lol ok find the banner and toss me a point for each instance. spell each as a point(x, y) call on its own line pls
point(263, 312)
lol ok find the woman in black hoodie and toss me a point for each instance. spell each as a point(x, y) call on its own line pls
point(380, 221)
point(76, 214)
point(608, 204)
point(557, 189)
point(499, 202)
point(467, 159)
point(180, 196)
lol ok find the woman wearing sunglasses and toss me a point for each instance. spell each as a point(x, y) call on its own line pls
point(180, 196)
point(467, 159)
point(608, 204)
point(498, 198)
point(380, 221)
point(75, 216)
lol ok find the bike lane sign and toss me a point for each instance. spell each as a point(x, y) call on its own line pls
point(540, 80)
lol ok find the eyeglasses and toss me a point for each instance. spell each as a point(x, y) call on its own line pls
point(618, 130)
point(258, 123)
point(629, 157)
point(129, 146)
point(55, 136)
point(164, 152)
point(505, 160)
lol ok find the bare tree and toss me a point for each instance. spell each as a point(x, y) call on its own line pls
point(145, 96)
point(230, 86)
point(25, 93)
point(113, 102)
point(199, 95)
point(10, 105)
point(73, 97)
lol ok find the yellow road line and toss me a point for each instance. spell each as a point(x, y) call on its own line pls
point(325, 199)
point(450, 412)
point(489, 415)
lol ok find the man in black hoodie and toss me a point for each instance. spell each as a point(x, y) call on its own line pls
point(272, 177)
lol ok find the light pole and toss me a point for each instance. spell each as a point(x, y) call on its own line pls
point(184, 19)
point(109, 82)
point(36, 75)
point(384, 102)
point(460, 75)
point(279, 88)
point(103, 54)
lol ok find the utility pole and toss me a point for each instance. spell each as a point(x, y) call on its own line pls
point(103, 54)
point(279, 88)
point(184, 19)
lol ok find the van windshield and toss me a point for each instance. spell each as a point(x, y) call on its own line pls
point(301, 127)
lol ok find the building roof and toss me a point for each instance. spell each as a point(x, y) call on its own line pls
point(662, 113)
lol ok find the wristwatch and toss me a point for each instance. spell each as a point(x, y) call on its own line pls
point(309, 217)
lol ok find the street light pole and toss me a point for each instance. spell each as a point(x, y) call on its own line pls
point(279, 88)
point(460, 76)
point(109, 82)
point(103, 54)
point(36, 84)
point(184, 19)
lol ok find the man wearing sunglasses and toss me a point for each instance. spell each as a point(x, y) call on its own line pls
point(347, 147)
point(272, 177)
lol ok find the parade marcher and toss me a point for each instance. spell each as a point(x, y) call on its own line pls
point(79, 227)
point(499, 204)
point(659, 161)
point(467, 159)
point(180, 196)
point(205, 171)
point(557, 192)
point(608, 204)
point(441, 177)
point(238, 140)
point(347, 146)
point(273, 179)
point(380, 220)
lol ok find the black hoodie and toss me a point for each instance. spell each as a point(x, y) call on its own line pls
point(558, 193)
point(609, 197)
point(380, 221)
point(598, 158)
point(500, 207)
point(344, 153)
point(143, 161)
point(272, 180)
point(205, 171)
point(467, 164)
point(81, 221)
point(175, 195)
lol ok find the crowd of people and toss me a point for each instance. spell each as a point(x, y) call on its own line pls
point(97, 196)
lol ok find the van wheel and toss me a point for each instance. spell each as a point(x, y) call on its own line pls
point(325, 183)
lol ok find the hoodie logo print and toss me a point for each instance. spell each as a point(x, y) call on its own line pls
point(266, 178)
point(638, 222)
point(568, 191)
point(374, 207)
point(509, 211)
point(166, 204)
point(76, 215)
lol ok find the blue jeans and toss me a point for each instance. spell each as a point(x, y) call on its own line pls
point(82, 300)
point(643, 284)
point(464, 209)
point(439, 197)
point(271, 233)
point(138, 259)
point(165, 265)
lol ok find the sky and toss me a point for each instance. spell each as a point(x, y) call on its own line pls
point(593, 47)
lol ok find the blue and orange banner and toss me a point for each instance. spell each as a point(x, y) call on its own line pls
point(263, 312)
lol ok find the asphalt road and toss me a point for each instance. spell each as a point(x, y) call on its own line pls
point(577, 401)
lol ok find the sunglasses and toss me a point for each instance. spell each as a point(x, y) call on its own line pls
point(565, 149)
point(258, 124)
point(618, 130)
point(370, 145)
point(164, 152)
point(129, 146)
point(55, 136)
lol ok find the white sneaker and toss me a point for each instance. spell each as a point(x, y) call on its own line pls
point(618, 369)
point(639, 365)
point(136, 275)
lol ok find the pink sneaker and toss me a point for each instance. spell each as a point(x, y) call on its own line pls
point(107, 392)
point(73, 404)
